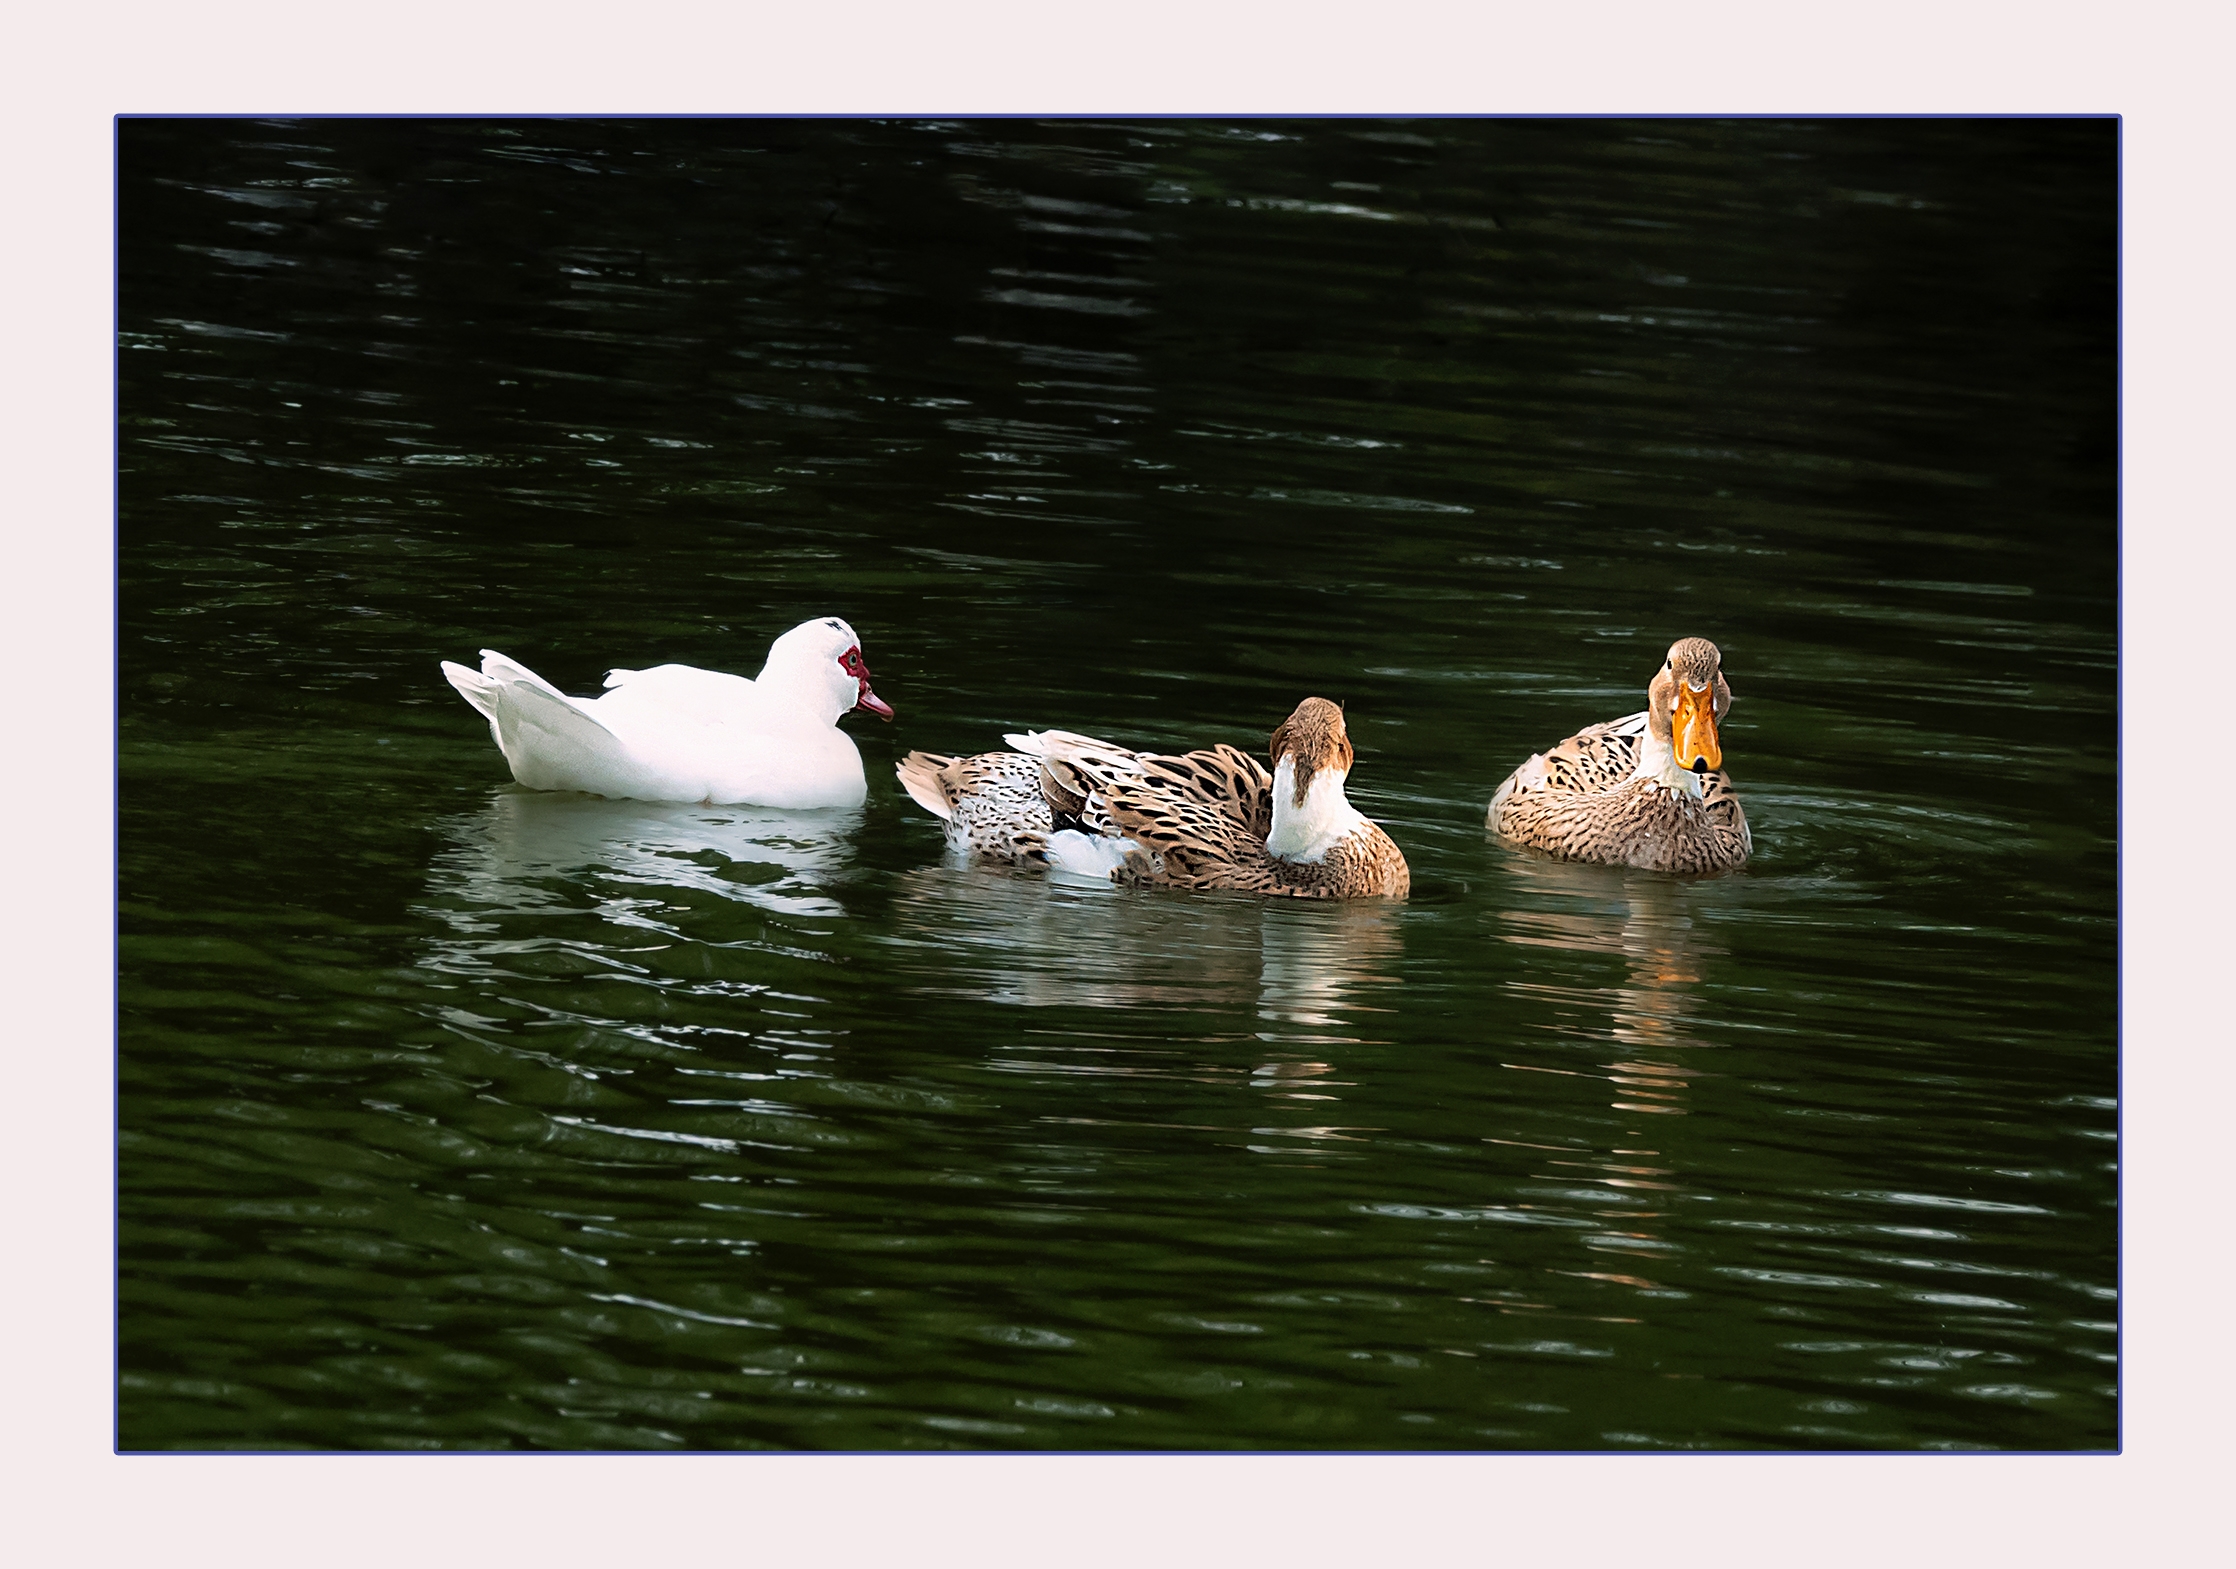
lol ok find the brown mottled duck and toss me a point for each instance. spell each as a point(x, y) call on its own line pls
point(1647, 790)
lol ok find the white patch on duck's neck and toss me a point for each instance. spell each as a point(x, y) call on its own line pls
point(1657, 762)
point(1306, 833)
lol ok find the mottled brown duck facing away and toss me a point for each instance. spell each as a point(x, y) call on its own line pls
point(1206, 819)
point(1648, 790)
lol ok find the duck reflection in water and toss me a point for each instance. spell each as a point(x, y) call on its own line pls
point(1304, 973)
point(532, 852)
point(1320, 968)
point(1648, 1019)
point(1642, 917)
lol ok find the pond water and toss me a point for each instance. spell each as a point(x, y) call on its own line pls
point(457, 1115)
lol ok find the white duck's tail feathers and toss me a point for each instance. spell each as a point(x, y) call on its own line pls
point(554, 745)
point(474, 687)
point(497, 667)
point(549, 741)
point(484, 688)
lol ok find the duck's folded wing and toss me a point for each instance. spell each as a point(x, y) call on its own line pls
point(1597, 758)
point(1198, 843)
point(685, 692)
point(1076, 772)
point(1728, 817)
point(1078, 769)
point(1222, 776)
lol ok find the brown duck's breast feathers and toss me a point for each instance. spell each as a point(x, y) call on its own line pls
point(1584, 801)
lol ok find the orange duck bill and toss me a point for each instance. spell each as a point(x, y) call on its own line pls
point(1693, 728)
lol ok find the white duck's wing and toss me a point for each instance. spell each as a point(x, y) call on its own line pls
point(685, 693)
point(551, 741)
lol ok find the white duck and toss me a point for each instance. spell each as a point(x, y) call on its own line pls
point(675, 733)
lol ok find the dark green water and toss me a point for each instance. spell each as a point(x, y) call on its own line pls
point(453, 1115)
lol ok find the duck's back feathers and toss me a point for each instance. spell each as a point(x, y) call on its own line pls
point(689, 694)
point(1076, 768)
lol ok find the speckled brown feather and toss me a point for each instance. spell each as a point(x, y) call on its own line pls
point(1222, 776)
point(1598, 757)
point(992, 803)
point(1202, 820)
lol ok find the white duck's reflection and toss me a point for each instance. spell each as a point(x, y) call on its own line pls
point(545, 852)
point(1040, 942)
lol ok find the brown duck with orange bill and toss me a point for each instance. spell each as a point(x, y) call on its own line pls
point(1648, 790)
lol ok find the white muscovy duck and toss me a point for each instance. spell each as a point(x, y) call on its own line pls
point(676, 733)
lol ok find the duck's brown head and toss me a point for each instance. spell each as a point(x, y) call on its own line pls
point(1315, 737)
point(1687, 699)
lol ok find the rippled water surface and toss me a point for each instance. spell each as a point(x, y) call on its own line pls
point(457, 1115)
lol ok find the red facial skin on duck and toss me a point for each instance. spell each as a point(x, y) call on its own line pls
point(852, 663)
